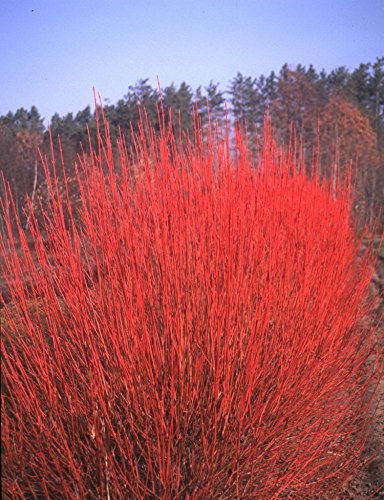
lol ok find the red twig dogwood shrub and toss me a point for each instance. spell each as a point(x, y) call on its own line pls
point(197, 330)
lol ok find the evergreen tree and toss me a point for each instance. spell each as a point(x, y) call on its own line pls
point(270, 90)
point(21, 135)
point(247, 105)
point(377, 101)
point(216, 102)
point(180, 102)
point(212, 101)
point(359, 87)
point(298, 104)
point(338, 82)
point(200, 100)
point(142, 96)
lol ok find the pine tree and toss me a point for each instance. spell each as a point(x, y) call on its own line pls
point(180, 102)
point(216, 102)
point(359, 87)
point(297, 103)
point(377, 101)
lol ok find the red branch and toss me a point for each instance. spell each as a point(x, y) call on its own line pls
point(200, 331)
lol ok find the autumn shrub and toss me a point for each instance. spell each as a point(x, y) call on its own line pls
point(198, 330)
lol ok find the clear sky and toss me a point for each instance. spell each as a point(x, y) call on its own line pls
point(53, 51)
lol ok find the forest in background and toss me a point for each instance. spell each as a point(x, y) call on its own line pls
point(344, 108)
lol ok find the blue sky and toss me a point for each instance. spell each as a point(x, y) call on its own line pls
point(53, 51)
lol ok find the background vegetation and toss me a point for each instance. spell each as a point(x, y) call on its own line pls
point(344, 108)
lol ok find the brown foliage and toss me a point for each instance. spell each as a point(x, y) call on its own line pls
point(347, 136)
point(345, 127)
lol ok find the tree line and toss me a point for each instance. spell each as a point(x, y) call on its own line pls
point(344, 108)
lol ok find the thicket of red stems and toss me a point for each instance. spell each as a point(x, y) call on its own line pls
point(197, 330)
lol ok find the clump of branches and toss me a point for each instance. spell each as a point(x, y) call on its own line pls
point(198, 330)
